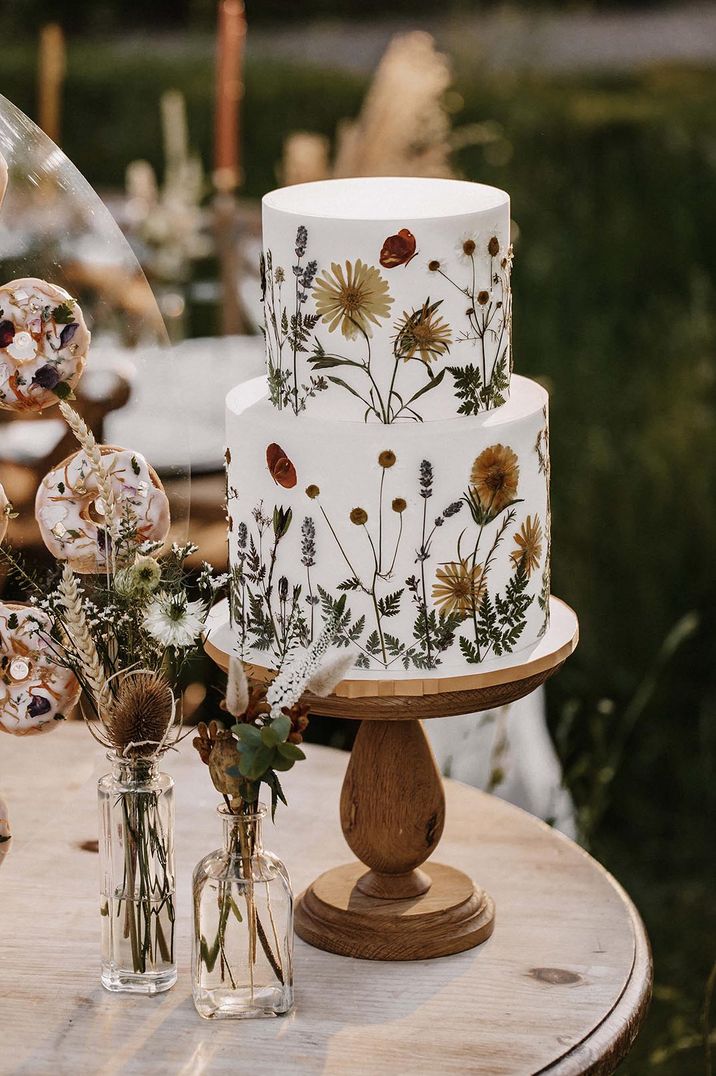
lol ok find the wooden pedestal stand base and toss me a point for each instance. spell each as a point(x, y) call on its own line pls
point(393, 810)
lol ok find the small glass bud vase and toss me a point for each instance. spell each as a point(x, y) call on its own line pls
point(242, 958)
point(137, 886)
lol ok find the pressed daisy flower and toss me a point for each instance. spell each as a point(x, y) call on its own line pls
point(423, 333)
point(528, 540)
point(458, 587)
point(173, 620)
point(467, 247)
point(353, 298)
point(494, 477)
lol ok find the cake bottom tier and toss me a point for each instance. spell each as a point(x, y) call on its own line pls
point(425, 545)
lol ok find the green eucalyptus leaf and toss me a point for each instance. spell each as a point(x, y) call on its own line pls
point(283, 764)
point(269, 737)
point(262, 761)
point(281, 726)
point(290, 750)
point(248, 734)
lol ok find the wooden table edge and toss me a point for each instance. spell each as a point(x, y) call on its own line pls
point(606, 1046)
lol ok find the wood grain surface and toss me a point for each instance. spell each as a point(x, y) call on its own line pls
point(561, 986)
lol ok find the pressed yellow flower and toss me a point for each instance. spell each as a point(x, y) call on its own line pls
point(387, 458)
point(312, 491)
point(359, 516)
point(494, 477)
point(458, 587)
point(399, 505)
point(353, 298)
point(528, 539)
point(423, 333)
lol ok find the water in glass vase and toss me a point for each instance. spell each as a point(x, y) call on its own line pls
point(242, 959)
point(137, 878)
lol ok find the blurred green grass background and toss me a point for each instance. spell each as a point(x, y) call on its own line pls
point(612, 182)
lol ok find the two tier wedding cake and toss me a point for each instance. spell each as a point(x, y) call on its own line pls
point(389, 471)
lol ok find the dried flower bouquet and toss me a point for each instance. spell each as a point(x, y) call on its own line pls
point(263, 742)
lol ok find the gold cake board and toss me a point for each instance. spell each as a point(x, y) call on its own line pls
point(393, 805)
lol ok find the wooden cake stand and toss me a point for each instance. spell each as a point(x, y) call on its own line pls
point(393, 806)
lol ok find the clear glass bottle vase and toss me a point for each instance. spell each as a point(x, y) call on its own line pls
point(242, 958)
point(137, 883)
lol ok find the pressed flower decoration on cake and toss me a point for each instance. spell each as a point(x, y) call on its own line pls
point(337, 328)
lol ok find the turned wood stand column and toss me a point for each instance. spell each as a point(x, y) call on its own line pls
point(392, 815)
point(391, 904)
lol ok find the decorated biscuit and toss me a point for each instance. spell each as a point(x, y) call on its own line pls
point(72, 516)
point(5, 832)
point(35, 692)
point(43, 344)
point(5, 512)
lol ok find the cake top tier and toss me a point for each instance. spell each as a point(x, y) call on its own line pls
point(387, 299)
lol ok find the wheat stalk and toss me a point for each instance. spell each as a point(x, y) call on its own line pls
point(77, 629)
point(87, 439)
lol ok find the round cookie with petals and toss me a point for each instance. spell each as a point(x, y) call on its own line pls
point(72, 516)
point(44, 343)
point(5, 509)
point(5, 831)
point(35, 692)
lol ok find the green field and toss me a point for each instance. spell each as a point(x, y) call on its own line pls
point(612, 182)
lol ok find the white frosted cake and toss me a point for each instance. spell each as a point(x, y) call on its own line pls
point(389, 470)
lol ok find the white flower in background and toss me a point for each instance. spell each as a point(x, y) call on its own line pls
point(4, 372)
point(173, 620)
point(22, 348)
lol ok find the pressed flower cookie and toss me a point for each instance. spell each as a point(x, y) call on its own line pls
point(35, 692)
point(72, 515)
point(5, 509)
point(43, 344)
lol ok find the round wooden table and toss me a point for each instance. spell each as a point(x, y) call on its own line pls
point(561, 987)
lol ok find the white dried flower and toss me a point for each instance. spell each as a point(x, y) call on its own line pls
point(330, 672)
point(173, 620)
point(293, 678)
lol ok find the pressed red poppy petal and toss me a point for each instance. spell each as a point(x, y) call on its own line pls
point(280, 467)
